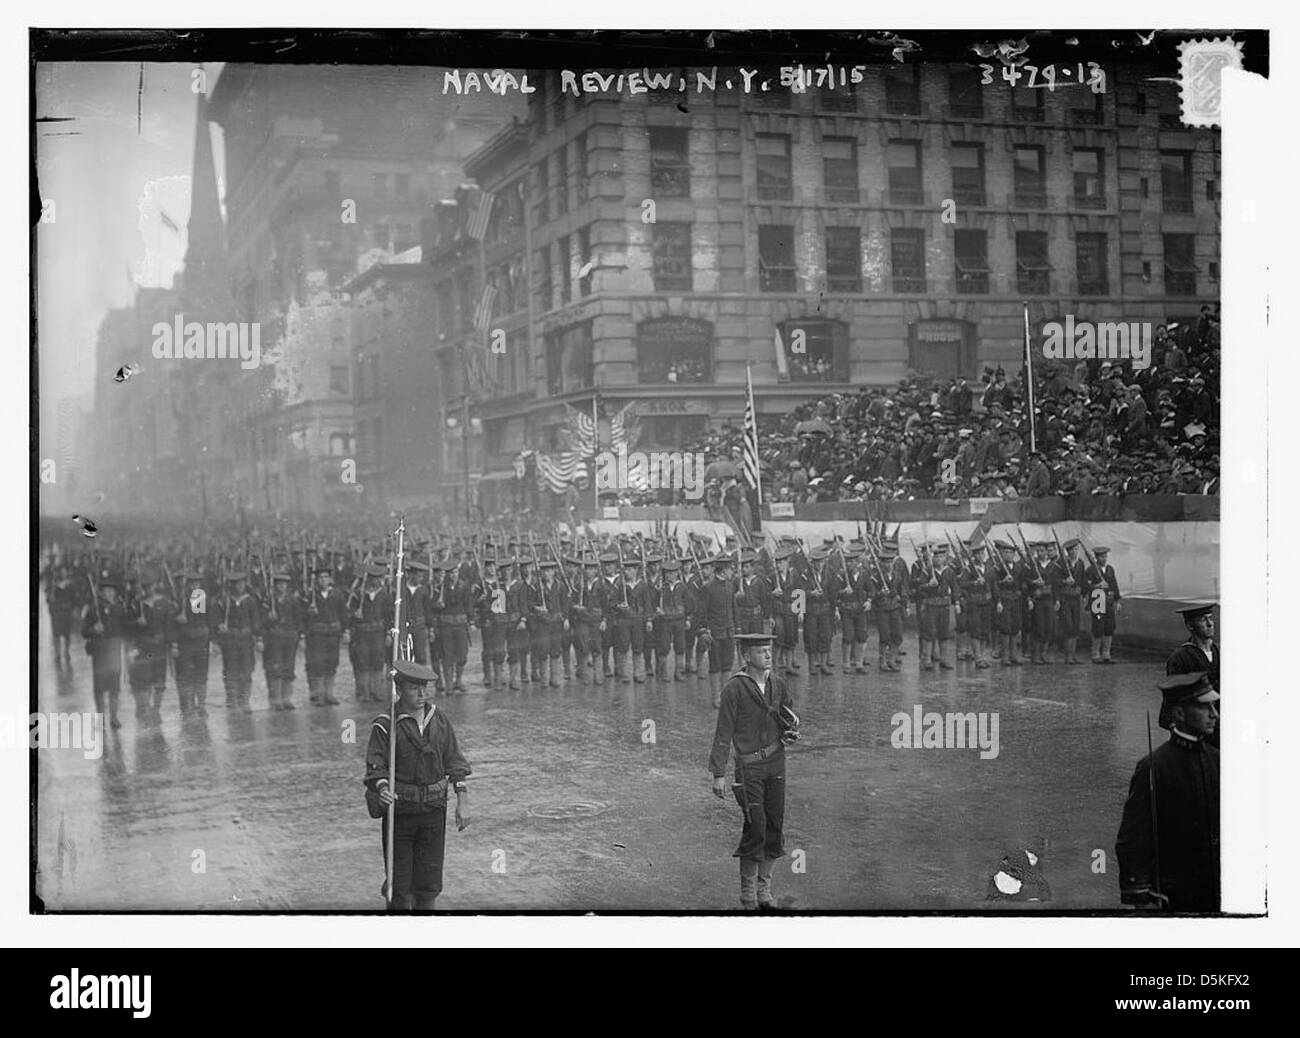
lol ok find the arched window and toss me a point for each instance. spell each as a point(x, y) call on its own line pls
point(816, 350)
point(674, 350)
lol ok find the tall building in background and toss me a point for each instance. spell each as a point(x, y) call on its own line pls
point(826, 240)
point(329, 169)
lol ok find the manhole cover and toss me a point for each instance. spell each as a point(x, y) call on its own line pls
point(561, 811)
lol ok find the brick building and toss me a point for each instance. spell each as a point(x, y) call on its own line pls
point(896, 225)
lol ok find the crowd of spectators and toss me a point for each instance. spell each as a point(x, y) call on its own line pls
point(1100, 427)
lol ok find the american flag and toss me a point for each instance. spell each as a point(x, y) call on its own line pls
point(478, 219)
point(483, 312)
point(752, 476)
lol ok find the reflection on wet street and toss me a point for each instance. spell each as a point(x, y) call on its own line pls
point(578, 803)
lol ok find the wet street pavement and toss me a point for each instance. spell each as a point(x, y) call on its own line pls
point(577, 803)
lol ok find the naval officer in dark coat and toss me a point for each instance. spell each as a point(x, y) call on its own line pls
point(1168, 842)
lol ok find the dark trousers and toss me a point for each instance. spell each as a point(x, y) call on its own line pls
point(889, 626)
point(192, 674)
point(418, 850)
point(322, 655)
point(760, 791)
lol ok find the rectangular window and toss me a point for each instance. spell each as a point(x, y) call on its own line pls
point(562, 180)
point(1090, 261)
point(542, 210)
point(1176, 181)
point(965, 94)
point(905, 173)
point(672, 257)
point(774, 177)
point(907, 256)
point(903, 89)
point(1180, 264)
point(1032, 267)
point(776, 258)
point(402, 186)
point(1094, 115)
point(968, 174)
point(566, 271)
point(843, 259)
point(1030, 183)
point(971, 250)
point(670, 167)
point(840, 168)
point(580, 185)
point(1089, 178)
point(837, 98)
point(545, 288)
point(1027, 104)
point(1211, 191)
point(585, 261)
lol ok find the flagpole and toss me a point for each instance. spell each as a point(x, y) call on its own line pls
point(595, 447)
point(1029, 381)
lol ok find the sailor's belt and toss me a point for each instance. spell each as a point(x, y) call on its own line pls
point(414, 625)
point(1043, 593)
point(452, 619)
point(758, 755)
point(368, 626)
point(411, 792)
point(978, 600)
point(854, 606)
point(749, 612)
point(282, 631)
point(333, 628)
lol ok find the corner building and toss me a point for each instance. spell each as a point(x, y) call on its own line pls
point(898, 224)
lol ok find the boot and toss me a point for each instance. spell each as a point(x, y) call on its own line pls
point(715, 686)
point(1105, 649)
point(581, 670)
point(827, 669)
point(943, 656)
point(1096, 649)
point(597, 671)
point(1071, 648)
point(678, 674)
point(925, 661)
point(329, 691)
point(459, 685)
point(638, 668)
point(748, 884)
point(568, 670)
point(766, 903)
point(701, 671)
point(514, 677)
point(286, 694)
point(425, 903)
point(621, 665)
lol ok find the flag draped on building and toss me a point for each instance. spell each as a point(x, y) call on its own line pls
point(752, 475)
point(579, 442)
point(477, 224)
point(483, 312)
